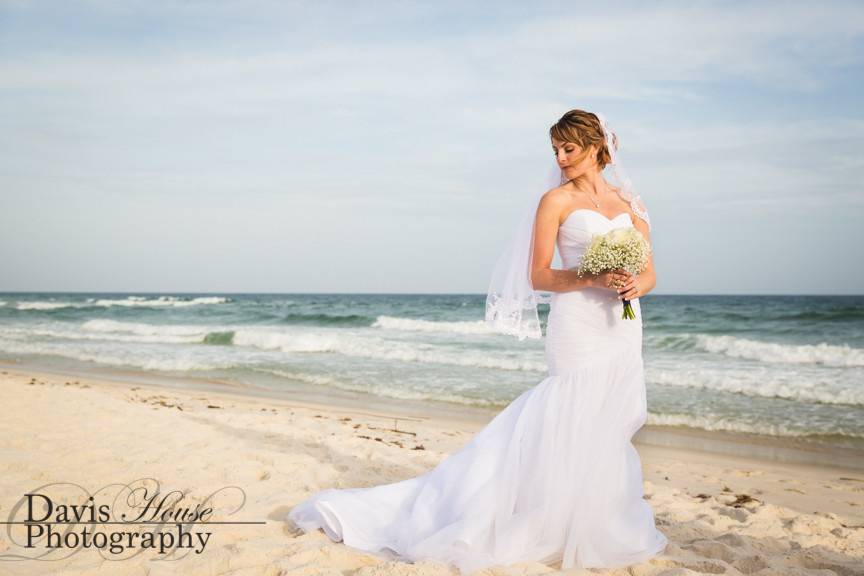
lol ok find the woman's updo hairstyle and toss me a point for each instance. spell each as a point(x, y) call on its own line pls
point(583, 128)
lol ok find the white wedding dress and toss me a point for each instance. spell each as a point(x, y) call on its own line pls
point(552, 478)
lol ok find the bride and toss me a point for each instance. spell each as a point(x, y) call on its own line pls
point(554, 477)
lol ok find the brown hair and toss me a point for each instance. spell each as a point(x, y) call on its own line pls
point(583, 128)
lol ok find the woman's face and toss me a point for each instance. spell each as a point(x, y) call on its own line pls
point(569, 156)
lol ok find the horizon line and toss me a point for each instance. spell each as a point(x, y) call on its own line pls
point(169, 292)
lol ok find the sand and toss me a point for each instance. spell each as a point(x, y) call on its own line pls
point(722, 514)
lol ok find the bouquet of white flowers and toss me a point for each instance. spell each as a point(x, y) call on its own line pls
point(623, 248)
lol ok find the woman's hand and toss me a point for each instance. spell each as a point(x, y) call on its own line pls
point(634, 287)
point(612, 280)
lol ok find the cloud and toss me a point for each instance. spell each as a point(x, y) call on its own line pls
point(433, 112)
point(638, 52)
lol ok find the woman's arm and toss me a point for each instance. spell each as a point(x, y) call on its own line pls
point(546, 224)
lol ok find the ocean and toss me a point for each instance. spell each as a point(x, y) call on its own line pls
point(772, 366)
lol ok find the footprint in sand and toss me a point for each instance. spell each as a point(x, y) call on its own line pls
point(739, 514)
point(733, 540)
point(704, 567)
point(814, 562)
point(750, 564)
point(712, 549)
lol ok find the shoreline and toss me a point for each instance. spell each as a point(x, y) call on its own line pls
point(675, 449)
point(721, 442)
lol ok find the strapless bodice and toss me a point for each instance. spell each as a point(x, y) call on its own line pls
point(585, 325)
point(575, 234)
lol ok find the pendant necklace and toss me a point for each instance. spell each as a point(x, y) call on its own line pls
point(597, 204)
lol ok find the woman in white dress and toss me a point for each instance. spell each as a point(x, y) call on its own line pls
point(554, 477)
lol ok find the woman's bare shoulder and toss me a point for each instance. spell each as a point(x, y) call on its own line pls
point(553, 203)
point(555, 197)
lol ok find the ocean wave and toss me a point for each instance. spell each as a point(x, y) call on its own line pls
point(43, 305)
point(175, 361)
point(843, 313)
point(131, 301)
point(189, 332)
point(58, 331)
point(284, 340)
point(731, 424)
point(762, 385)
point(380, 349)
point(115, 331)
point(327, 319)
point(417, 325)
point(773, 352)
point(161, 301)
point(782, 315)
point(382, 389)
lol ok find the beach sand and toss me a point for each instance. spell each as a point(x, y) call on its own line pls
point(723, 514)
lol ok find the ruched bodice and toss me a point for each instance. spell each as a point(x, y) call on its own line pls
point(575, 234)
point(585, 325)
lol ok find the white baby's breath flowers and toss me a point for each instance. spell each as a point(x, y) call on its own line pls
point(619, 234)
point(621, 248)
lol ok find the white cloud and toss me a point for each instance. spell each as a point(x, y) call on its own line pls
point(435, 112)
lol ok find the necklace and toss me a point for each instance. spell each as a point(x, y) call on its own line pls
point(597, 204)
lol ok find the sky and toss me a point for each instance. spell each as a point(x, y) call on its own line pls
point(324, 146)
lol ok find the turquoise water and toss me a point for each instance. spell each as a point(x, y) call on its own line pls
point(783, 366)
